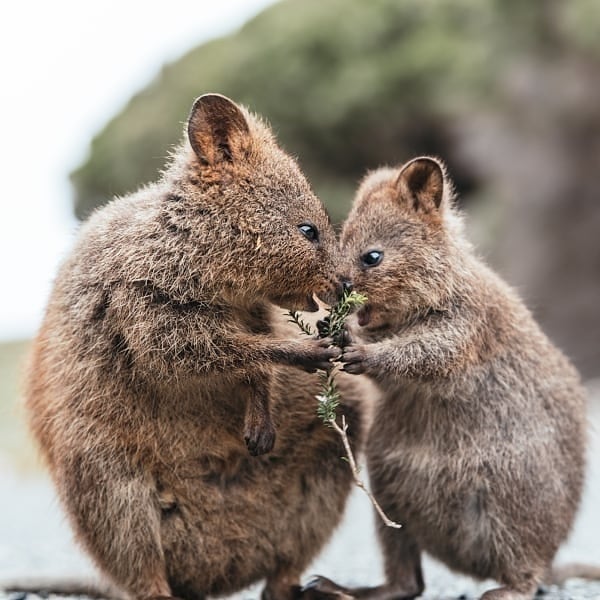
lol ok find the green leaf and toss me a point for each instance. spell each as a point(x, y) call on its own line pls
point(339, 312)
point(302, 325)
point(329, 398)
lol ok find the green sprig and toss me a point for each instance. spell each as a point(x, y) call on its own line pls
point(302, 325)
point(329, 398)
point(339, 312)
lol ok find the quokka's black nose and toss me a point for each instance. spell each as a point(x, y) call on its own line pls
point(344, 287)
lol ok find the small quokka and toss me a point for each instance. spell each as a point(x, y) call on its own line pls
point(178, 428)
point(477, 443)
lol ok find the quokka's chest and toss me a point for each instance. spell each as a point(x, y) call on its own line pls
point(422, 437)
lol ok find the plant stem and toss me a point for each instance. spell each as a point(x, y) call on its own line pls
point(302, 325)
point(342, 432)
point(329, 399)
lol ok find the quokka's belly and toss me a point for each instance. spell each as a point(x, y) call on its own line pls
point(481, 512)
point(445, 508)
point(229, 529)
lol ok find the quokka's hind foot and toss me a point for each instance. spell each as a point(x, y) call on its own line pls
point(509, 593)
point(292, 592)
point(559, 574)
point(321, 588)
point(283, 586)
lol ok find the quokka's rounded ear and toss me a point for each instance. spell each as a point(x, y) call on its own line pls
point(216, 128)
point(421, 181)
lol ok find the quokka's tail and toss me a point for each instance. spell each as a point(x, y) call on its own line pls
point(559, 574)
point(64, 587)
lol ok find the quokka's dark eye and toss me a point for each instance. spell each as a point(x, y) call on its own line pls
point(371, 258)
point(309, 231)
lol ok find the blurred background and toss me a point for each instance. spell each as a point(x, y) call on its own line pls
point(506, 92)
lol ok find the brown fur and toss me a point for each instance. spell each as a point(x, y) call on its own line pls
point(477, 445)
point(156, 373)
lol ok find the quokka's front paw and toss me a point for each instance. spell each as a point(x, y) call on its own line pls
point(260, 438)
point(315, 354)
point(341, 339)
point(356, 359)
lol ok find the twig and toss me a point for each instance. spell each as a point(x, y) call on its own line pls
point(294, 317)
point(342, 431)
point(329, 399)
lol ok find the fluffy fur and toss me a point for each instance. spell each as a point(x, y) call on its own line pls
point(477, 444)
point(182, 441)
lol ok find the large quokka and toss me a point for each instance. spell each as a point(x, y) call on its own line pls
point(477, 445)
point(156, 381)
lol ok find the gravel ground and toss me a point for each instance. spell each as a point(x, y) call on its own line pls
point(35, 539)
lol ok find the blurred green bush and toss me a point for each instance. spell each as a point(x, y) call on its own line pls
point(346, 84)
point(505, 91)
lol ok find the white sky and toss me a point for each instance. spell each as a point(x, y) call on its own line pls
point(65, 68)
